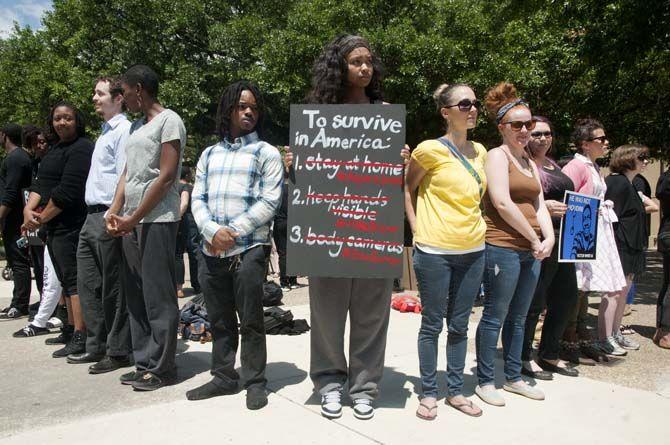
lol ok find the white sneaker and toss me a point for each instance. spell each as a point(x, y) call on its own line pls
point(524, 389)
point(615, 347)
point(490, 395)
point(54, 322)
point(626, 342)
point(331, 406)
point(363, 409)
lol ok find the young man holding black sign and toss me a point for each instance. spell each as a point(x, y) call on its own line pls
point(236, 193)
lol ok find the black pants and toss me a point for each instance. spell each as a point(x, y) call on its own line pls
point(663, 304)
point(18, 259)
point(62, 244)
point(557, 291)
point(188, 241)
point(148, 282)
point(102, 303)
point(37, 258)
point(234, 289)
point(279, 233)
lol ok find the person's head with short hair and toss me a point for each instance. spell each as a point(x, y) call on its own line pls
point(457, 105)
point(34, 140)
point(66, 122)
point(348, 61)
point(511, 114)
point(140, 88)
point(241, 111)
point(11, 136)
point(589, 138)
point(108, 97)
point(630, 158)
point(186, 174)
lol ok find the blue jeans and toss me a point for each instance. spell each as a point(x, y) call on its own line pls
point(509, 283)
point(448, 286)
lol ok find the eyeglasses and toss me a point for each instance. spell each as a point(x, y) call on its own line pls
point(600, 139)
point(539, 134)
point(518, 125)
point(466, 105)
point(643, 158)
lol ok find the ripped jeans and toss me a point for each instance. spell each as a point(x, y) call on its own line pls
point(510, 279)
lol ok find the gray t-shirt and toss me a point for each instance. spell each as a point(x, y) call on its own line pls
point(143, 152)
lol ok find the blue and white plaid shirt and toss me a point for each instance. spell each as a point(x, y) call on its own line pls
point(238, 186)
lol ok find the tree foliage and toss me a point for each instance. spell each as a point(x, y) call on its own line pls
point(569, 58)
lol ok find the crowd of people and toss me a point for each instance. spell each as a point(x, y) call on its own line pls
point(116, 217)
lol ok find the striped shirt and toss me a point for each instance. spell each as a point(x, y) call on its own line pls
point(237, 186)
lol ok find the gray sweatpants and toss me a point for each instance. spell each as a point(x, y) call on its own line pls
point(367, 301)
point(148, 281)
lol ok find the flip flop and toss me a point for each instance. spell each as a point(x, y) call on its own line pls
point(467, 404)
point(429, 408)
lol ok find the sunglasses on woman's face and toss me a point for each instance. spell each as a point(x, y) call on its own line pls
point(539, 134)
point(518, 125)
point(643, 158)
point(466, 105)
point(600, 139)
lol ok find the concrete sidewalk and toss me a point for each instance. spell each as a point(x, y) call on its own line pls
point(47, 401)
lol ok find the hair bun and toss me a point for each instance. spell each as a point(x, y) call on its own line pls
point(501, 94)
point(438, 92)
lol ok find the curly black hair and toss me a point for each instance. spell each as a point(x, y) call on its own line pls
point(329, 73)
point(229, 100)
point(78, 118)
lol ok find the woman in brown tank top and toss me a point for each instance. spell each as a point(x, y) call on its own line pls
point(519, 235)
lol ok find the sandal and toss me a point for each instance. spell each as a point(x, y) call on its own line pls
point(627, 329)
point(429, 409)
point(464, 407)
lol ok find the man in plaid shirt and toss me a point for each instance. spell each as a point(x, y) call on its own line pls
point(236, 193)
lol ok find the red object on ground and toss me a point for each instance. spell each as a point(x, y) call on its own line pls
point(406, 303)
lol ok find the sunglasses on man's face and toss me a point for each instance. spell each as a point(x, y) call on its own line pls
point(466, 105)
point(518, 125)
point(539, 134)
point(600, 139)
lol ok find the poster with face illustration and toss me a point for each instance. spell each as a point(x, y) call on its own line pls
point(346, 202)
point(579, 229)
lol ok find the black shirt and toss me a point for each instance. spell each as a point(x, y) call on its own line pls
point(282, 210)
point(62, 178)
point(630, 231)
point(554, 184)
point(663, 195)
point(15, 177)
point(186, 188)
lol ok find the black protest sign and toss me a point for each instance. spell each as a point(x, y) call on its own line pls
point(346, 203)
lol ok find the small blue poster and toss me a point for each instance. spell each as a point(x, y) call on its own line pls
point(579, 229)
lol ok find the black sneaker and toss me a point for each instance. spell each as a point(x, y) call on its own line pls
point(109, 363)
point(76, 345)
point(5, 309)
point(129, 377)
point(30, 331)
point(64, 337)
point(151, 382)
point(12, 314)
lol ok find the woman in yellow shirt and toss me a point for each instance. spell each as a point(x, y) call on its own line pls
point(444, 185)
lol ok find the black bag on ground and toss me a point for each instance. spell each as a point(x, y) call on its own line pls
point(272, 294)
point(281, 322)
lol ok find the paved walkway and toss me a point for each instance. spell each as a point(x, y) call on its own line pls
point(47, 401)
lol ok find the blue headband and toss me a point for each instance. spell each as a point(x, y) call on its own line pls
point(505, 108)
